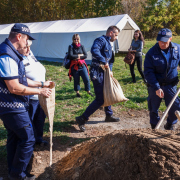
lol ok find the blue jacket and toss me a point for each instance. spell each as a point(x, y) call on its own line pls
point(138, 46)
point(12, 103)
point(102, 51)
point(156, 68)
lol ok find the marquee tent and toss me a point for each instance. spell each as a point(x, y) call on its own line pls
point(54, 37)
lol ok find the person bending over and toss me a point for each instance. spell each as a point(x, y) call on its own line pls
point(160, 70)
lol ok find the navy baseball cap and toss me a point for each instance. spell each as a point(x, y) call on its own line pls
point(23, 29)
point(164, 35)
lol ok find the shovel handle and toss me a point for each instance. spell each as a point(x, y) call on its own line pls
point(167, 110)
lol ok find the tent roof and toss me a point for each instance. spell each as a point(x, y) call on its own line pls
point(76, 25)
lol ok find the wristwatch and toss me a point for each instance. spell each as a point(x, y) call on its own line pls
point(42, 84)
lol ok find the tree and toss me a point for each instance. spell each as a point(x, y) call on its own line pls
point(154, 17)
point(174, 13)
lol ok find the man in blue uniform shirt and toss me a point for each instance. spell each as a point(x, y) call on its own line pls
point(101, 54)
point(160, 70)
point(14, 102)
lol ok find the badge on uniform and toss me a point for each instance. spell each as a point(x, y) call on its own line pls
point(27, 64)
point(34, 58)
point(156, 58)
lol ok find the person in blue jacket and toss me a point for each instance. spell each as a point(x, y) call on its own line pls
point(101, 54)
point(14, 102)
point(160, 70)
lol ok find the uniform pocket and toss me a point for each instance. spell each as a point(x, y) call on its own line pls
point(107, 53)
point(174, 63)
point(160, 66)
point(95, 75)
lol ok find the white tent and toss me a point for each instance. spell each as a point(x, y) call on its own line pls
point(54, 37)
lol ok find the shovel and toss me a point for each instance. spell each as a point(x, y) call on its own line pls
point(167, 110)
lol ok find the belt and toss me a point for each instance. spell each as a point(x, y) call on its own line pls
point(95, 64)
point(174, 83)
point(164, 84)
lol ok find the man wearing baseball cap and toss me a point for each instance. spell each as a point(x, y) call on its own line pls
point(23, 29)
point(14, 102)
point(160, 70)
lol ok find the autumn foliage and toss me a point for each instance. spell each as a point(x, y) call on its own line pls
point(150, 15)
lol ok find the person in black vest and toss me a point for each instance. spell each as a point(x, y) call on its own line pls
point(14, 102)
point(78, 67)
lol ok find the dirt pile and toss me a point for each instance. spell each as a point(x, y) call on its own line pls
point(124, 155)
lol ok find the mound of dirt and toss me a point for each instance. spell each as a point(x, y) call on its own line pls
point(124, 155)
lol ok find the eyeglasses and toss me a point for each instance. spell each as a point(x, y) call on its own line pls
point(25, 47)
point(76, 39)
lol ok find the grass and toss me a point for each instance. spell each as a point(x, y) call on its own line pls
point(68, 106)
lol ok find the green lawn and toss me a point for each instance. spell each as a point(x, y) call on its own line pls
point(68, 106)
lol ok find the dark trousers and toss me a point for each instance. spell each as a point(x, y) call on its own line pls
point(82, 71)
point(154, 102)
point(98, 102)
point(138, 60)
point(37, 116)
point(20, 142)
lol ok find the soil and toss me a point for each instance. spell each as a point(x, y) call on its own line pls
point(124, 150)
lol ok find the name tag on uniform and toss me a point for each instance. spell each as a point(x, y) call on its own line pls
point(156, 58)
point(34, 58)
point(27, 64)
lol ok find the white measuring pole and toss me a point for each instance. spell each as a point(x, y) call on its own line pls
point(167, 110)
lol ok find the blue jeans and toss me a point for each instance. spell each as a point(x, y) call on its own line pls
point(20, 142)
point(82, 71)
point(98, 102)
point(154, 102)
point(37, 117)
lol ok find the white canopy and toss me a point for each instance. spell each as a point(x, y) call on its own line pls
point(54, 37)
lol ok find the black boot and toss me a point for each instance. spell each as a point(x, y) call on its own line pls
point(111, 118)
point(91, 94)
point(27, 177)
point(78, 95)
point(42, 143)
point(153, 126)
point(80, 120)
point(133, 78)
point(169, 126)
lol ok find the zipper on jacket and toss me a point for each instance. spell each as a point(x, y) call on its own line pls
point(166, 64)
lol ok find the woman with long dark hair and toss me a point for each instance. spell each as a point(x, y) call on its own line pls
point(137, 47)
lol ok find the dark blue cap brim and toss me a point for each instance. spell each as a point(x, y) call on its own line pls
point(26, 33)
point(161, 38)
point(31, 38)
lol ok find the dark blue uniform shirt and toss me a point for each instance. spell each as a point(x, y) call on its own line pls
point(102, 51)
point(157, 69)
